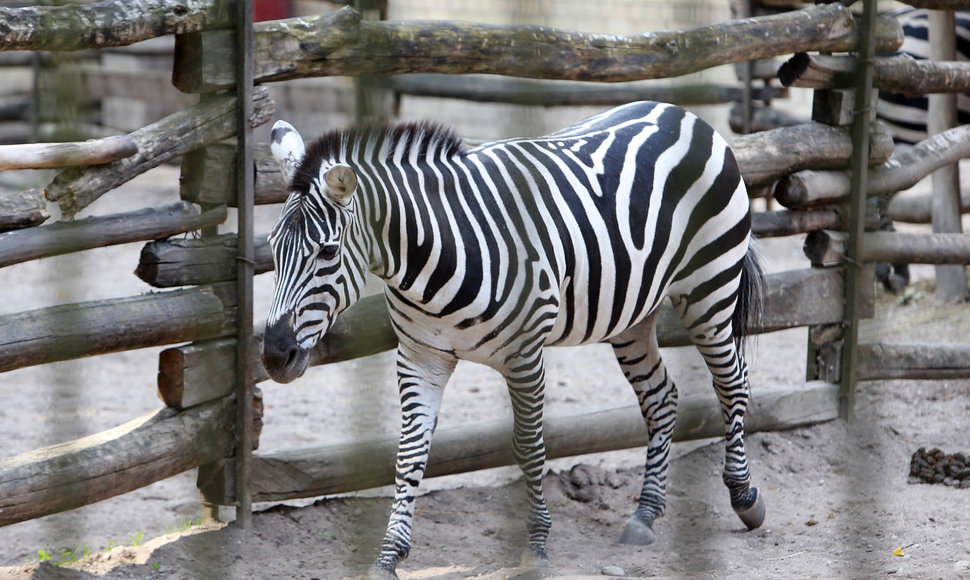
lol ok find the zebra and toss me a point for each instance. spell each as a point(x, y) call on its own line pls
point(492, 253)
point(906, 115)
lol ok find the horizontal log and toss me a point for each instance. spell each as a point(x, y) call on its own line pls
point(904, 248)
point(47, 155)
point(97, 232)
point(763, 158)
point(148, 449)
point(88, 328)
point(769, 155)
point(335, 469)
point(881, 361)
point(184, 262)
point(901, 74)
point(794, 298)
point(773, 224)
point(341, 44)
point(102, 24)
point(917, 209)
point(828, 248)
point(549, 93)
point(212, 120)
point(22, 209)
point(907, 167)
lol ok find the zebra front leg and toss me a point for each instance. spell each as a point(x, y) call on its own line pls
point(526, 383)
point(639, 357)
point(422, 375)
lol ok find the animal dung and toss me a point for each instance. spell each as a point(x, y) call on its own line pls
point(935, 466)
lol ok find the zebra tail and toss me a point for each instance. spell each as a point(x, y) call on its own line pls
point(752, 295)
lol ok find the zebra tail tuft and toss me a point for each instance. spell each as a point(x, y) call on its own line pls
point(752, 296)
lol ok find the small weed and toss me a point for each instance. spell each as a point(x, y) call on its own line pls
point(137, 538)
point(156, 566)
point(182, 526)
point(67, 556)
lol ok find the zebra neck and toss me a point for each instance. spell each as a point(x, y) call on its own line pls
point(407, 221)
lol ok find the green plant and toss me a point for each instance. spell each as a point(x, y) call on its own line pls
point(42, 555)
point(156, 566)
point(137, 538)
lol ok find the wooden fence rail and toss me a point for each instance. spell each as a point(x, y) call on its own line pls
point(341, 44)
point(103, 24)
point(190, 372)
point(45, 155)
point(88, 328)
point(330, 469)
point(148, 449)
point(97, 232)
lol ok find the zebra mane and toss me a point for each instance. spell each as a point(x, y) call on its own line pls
point(374, 145)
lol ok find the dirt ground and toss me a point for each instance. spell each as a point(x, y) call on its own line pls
point(839, 504)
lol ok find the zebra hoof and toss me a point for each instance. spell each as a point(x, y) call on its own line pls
point(754, 514)
point(535, 558)
point(378, 572)
point(638, 532)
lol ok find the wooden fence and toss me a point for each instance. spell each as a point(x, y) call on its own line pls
point(207, 381)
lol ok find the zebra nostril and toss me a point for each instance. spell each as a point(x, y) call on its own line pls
point(291, 355)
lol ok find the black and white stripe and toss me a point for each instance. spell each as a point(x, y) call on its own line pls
point(493, 253)
point(907, 116)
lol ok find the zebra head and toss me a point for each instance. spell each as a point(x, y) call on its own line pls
point(316, 276)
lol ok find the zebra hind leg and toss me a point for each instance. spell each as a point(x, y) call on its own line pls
point(639, 358)
point(726, 362)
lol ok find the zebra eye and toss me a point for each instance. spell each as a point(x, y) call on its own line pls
point(329, 251)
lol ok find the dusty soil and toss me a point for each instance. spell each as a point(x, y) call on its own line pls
point(839, 504)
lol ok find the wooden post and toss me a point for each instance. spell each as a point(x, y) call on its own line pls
point(951, 281)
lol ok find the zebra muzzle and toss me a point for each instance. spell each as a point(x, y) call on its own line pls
point(283, 358)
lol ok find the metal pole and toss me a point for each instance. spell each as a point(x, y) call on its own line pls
point(857, 209)
point(245, 178)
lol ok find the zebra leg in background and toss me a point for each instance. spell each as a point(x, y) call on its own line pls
point(726, 363)
point(525, 378)
point(422, 375)
point(639, 356)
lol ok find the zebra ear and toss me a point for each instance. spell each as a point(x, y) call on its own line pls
point(341, 182)
point(287, 147)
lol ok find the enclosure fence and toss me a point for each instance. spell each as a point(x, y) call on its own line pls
point(825, 172)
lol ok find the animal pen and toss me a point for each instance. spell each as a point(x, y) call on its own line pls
point(826, 173)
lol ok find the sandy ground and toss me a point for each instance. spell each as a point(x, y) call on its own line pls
point(838, 499)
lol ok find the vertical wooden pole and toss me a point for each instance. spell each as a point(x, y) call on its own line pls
point(951, 280)
point(857, 209)
point(245, 178)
